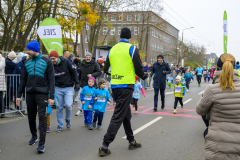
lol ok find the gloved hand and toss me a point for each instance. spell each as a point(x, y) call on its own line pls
point(145, 76)
point(77, 87)
point(183, 94)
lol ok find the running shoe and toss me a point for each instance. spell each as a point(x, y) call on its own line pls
point(182, 107)
point(103, 151)
point(59, 129)
point(99, 127)
point(136, 111)
point(85, 124)
point(48, 129)
point(94, 124)
point(90, 127)
point(40, 148)
point(175, 111)
point(134, 145)
point(33, 140)
point(68, 125)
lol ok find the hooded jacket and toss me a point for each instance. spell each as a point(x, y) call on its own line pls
point(86, 68)
point(65, 74)
point(10, 66)
point(223, 138)
point(237, 66)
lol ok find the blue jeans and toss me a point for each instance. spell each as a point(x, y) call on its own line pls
point(87, 117)
point(150, 80)
point(98, 116)
point(65, 98)
point(162, 93)
point(144, 83)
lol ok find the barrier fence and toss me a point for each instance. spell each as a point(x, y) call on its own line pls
point(9, 85)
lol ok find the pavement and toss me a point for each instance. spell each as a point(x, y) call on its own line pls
point(164, 135)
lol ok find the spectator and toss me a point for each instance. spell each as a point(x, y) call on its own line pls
point(89, 68)
point(150, 70)
point(71, 58)
point(9, 69)
point(2, 83)
point(65, 78)
point(66, 54)
point(237, 66)
point(146, 70)
point(77, 61)
point(221, 101)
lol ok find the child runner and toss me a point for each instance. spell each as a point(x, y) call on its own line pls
point(179, 92)
point(188, 77)
point(102, 99)
point(87, 98)
point(209, 76)
point(183, 79)
point(170, 81)
point(136, 93)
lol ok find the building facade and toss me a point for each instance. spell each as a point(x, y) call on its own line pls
point(150, 33)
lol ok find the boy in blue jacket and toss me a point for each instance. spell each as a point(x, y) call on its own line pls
point(170, 81)
point(87, 98)
point(102, 99)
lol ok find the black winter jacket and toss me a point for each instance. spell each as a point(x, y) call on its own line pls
point(86, 68)
point(65, 74)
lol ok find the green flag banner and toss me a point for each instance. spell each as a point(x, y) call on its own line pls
point(225, 32)
point(50, 33)
point(209, 64)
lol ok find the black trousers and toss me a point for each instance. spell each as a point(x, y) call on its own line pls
point(122, 114)
point(162, 93)
point(40, 101)
point(2, 107)
point(135, 103)
point(199, 78)
point(188, 84)
point(9, 93)
point(176, 101)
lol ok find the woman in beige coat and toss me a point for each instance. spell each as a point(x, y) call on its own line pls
point(2, 83)
point(222, 101)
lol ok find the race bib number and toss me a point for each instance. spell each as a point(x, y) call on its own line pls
point(169, 81)
point(135, 92)
point(178, 89)
point(101, 98)
point(88, 97)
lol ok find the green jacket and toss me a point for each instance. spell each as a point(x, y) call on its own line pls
point(179, 89)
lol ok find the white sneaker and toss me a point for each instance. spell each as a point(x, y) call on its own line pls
point(175, 111)
point(187, 90)
point(79, 112)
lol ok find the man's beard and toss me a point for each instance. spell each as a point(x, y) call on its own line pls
point(32, 56)
point(88, 60)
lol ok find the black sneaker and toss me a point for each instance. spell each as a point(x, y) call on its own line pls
point(155, 108)
point(103, 151)
point(163, 106)
point(40, 148)
point(135, 145)
point(90, 127)
point(33, 140)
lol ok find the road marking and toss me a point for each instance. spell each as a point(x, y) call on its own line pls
point(145, 126)
point(186, 101)
point(168, 93)
point(201, 92)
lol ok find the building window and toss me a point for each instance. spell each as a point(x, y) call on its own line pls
point(86, 39)
point(106, 18)
point(155, 47)
point(135, 30)
point(120, 18)
point(87, 26)
point(129, 17)
point(137, 17)
point(105, 30)
point(104, 43)
point(86, 51)
point(113, 18)
point(113, 31)
point(119, 30)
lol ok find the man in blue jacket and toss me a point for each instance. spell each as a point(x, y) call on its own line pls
point(199, 72)
point(160, 69)
point(38, 78)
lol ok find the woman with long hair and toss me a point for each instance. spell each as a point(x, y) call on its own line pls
point(221, 100)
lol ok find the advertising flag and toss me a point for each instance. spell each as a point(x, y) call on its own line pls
point(225, 32)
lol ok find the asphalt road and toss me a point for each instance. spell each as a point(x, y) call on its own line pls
point(169, 137)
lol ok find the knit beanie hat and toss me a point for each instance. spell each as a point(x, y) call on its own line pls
point(101, 81)
point(136, 78)
point(71, 56)
point(237, 63)
point(160, 56)
point(34, 46)
point(178, 77)
point(12, 54)
point(88, 54)
point(125, 33)
point(93, 79)
point(100, 60)
point(53, 54)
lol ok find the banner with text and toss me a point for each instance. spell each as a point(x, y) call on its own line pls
point(225, 32)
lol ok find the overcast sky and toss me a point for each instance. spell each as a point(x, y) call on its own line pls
point(206, 16)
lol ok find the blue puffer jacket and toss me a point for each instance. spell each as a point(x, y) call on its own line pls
point(159, 77)
point(10, 66)
point(18, 70)
point(237, 66)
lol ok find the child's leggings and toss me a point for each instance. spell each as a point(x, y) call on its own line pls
point(176, 101)
point(48, 120)
point(169, 84)
point(135, 103)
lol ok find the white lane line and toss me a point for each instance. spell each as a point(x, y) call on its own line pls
point(186, 101)
point(201, 92)
point(145, 126)
point(168, 93)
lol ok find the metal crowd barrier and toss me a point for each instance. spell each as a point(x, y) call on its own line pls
point(8, 94)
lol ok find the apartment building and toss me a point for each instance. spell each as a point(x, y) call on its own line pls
point(150, 33)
